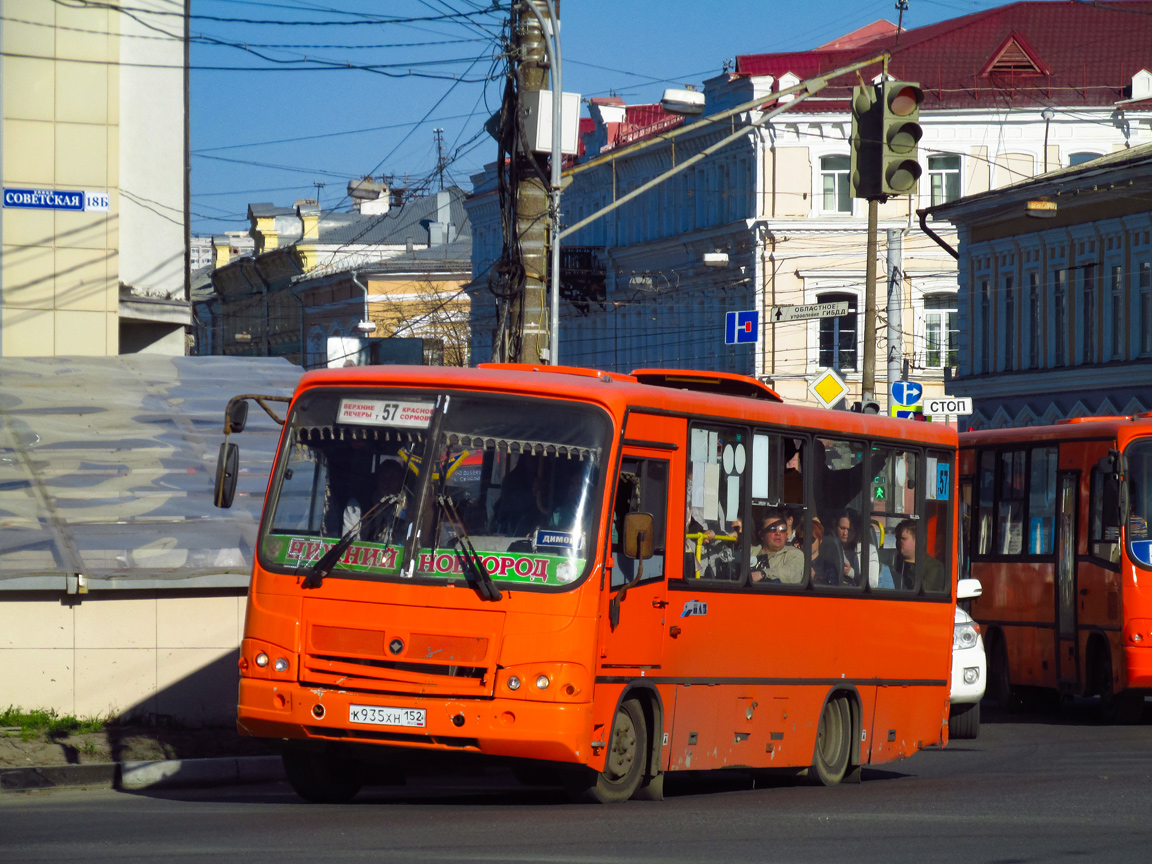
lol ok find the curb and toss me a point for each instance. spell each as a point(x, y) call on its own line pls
point(170, 774)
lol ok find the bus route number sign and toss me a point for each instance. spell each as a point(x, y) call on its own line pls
point(385, 412)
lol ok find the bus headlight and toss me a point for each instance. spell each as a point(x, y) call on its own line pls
point(548, 682)
point(261, 659)
point(281, 664)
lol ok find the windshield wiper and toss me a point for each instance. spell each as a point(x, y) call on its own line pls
point(480, 578)
point(315, 574)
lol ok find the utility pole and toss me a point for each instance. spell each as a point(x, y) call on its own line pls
point(528, 338)
point(895, 307)
point(868, 378)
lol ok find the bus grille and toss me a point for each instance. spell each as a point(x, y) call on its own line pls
point(428, 663)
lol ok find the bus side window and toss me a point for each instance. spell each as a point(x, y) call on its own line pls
point(839, 490)
point(893, 494)
point(987, 488)
point(1042, 500)
point(642, 487)
point(1102, 542)
point(714, 520)
point(936, 524)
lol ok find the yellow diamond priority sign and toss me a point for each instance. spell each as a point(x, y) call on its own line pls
point(828, 388)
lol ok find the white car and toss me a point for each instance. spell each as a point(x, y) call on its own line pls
point(969, 667)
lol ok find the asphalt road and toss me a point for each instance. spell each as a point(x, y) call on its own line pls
point(1032, 788)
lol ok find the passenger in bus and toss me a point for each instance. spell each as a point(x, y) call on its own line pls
point(516, 512)
point(388, 481)
point(848, 531)
point(933, 578)
point(778, 562)
point(822, 571)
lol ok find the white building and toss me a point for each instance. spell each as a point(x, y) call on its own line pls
point(1009, 93)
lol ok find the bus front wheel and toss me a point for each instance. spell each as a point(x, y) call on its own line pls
point(833, 742)
point(624, 765)
point(321, 778)
point(1124, 708)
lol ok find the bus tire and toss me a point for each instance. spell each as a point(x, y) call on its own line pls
point(1122, 709)
point(833, 742)
point(964, 721)
point(624, 764)
point(321, 778)
point(999, 682)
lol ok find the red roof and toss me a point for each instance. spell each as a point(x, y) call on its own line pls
point(1032, 53)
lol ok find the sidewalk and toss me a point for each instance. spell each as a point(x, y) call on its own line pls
point(167, 774)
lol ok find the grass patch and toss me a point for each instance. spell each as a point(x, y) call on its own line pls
point(48, 723)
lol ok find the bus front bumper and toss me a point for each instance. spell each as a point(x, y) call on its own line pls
point(1138, 662)
point(555, 731)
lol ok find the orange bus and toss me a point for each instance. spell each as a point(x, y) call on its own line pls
point(600, 576)
point(1056, 518)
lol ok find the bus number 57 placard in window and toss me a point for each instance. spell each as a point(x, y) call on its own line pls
point(943, 477)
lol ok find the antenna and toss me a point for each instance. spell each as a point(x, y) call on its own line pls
point(439, 133)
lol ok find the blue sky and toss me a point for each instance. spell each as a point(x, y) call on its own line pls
point(263, 131)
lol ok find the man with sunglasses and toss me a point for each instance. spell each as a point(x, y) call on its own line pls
point(778, 561)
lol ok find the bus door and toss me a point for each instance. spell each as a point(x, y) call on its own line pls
point(1067, 664)
point(634, 626)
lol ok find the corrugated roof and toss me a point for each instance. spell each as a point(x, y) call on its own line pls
point(1090, 53)
point(107, 467)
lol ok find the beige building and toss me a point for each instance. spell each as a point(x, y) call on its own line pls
point(94, 218)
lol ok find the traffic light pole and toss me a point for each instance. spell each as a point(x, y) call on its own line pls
point(868, 379)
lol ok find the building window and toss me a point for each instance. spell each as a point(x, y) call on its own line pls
point(834, 176)
point(986, 327)
point(1035, 329)
point(944, 177)
point(1145, 308)
point(838, 335)
point(1009, 324)
point(1088, 293)
point(1115, 326)
point(1061, 323)
point(941, 330)
point(1081, 158)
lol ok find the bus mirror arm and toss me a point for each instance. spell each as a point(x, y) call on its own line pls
point(1115, 503)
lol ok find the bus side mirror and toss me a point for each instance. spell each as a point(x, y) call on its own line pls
point(638, 535)
point(236, 416)
point(227, 465)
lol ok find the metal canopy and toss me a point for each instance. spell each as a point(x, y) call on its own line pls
point(107, 467)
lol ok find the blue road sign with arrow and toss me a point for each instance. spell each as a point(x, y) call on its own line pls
point(906, 392)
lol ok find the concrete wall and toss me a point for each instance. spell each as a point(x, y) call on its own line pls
point(123, 653)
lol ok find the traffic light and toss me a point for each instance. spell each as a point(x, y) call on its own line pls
point(868, 407)
point(864, 174)
point(900, 135)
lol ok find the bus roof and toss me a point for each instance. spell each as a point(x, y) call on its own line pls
point(678, 392)
point(1064, 430)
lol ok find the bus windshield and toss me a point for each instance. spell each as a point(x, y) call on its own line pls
point(1139, 460)
point(514, 488)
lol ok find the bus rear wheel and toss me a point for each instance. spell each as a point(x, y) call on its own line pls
point(321, 778)
point(624, 765)
point(833, 742)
